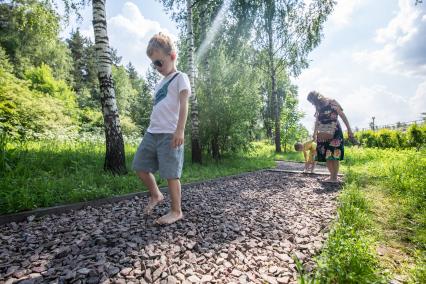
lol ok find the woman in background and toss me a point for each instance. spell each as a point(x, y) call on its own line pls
point(328, 132)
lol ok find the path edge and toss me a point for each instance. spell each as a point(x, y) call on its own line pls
point(60, 209)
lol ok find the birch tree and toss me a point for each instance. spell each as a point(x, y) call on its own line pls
point(286, 31)
point(195, 123)
point(115, 157)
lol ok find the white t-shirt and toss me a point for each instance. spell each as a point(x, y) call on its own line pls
point(165, 114)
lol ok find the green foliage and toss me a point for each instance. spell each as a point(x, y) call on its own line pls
point(384, 139)
point(85, 73)
point(128, 127)
point(42, 81)
point(229, 102)
point(4, 157)
point(91, 120)
point(293, 130)
point(29, 114)
point(4, 61)
point(415, 136)
point(30, 37)
point(124, 91)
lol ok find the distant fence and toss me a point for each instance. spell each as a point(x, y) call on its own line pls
point(403, 126)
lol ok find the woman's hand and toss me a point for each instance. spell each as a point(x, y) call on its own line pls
point(352, 138)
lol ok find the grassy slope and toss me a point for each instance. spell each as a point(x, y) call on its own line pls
point(380, 231)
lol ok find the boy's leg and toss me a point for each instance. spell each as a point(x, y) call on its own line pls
point(170, 166)
point(145, 163)
point(306, 167)
point(156, 196)
point(175, 213)
point(313, 166)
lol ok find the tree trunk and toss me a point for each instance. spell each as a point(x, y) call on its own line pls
point(195, 131)
point(215, 148)
point(115, 157)
point(270, 15)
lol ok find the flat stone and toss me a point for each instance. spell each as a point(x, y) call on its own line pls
point(83, 271)
point(236, 273)
point(283, 280)
point(206, 278)
point(171, 280)
point(194, 279)
point(125, 271)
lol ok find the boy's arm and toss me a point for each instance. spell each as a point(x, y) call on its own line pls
point(305, 155)
point(178, 137)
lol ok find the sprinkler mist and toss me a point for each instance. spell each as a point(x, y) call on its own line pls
point(214, 29)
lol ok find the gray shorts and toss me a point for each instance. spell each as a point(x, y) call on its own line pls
point(155, 152)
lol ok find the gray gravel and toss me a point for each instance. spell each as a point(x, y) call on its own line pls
point(320, 168)
point(238, 230)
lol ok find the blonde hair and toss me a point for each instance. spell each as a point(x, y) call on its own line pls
point(162, 42)
point(298, 146)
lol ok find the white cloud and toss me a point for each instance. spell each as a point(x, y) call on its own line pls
point(403, 42)
point(418, 101)
point(378, 101)
point(402, 27)
point(344, 11)
point(129, 32)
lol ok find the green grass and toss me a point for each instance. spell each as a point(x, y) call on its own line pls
point(290, 156)
point(381, 209)
point(47, 173)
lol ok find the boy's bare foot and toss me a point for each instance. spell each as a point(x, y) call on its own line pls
point(169, 218)
point(152, 203)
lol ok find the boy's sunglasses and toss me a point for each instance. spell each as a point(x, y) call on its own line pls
point(157, 63)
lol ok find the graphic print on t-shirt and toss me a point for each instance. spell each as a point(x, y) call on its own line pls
point(162, 92)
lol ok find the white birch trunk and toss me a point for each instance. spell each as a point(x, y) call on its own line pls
point(115, 157)
point(195, 131)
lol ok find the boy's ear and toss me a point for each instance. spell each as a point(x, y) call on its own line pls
point(173, 55)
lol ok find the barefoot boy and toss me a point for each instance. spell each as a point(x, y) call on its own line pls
point(309, 151)
point(162, 146)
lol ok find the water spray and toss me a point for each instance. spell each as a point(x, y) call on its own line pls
point(214, 29)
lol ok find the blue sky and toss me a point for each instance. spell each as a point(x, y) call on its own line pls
point(372, 58)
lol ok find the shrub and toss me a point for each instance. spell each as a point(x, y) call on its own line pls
point(416, 137)
point(31, 114)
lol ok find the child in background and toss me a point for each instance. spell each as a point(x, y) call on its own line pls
point(309, 150)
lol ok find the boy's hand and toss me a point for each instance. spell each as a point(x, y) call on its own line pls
point(178, 138)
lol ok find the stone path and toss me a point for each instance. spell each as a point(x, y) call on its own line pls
point(237, 230)
point(294, 166)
